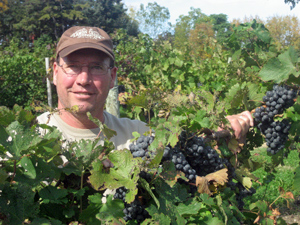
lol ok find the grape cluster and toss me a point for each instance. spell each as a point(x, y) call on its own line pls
point(120, 193)
point(182, 164)
point(275, 132)
point(140, 149)
point(133, 210)
point(202, 157)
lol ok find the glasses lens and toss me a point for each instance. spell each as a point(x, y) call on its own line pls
point(97, 69)
point(72, 69)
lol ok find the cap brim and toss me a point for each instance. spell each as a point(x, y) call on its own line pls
point(68, 50)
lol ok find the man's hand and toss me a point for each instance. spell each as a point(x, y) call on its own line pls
point(241, 123)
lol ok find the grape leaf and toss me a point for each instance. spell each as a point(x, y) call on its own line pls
point(207, 200)
point(21, 202)
point(111, 211)
point(43, 221)
point(168, 197)
point(235, 95)
point(244, 171)
point(44, 172)
point(29, 168)
point(217, 178)
point(202, 119)
point(3, 176)
point(147, 187)
point(202, 185)
point(124, 173)
point(6, 116)
point(157, 219)
point(297, 179)
point(234, 146)
point(51, 194)
point(279, 69)
point(246, 181)
point(20, 139)
point(88, 215)
point(190, 207)
point(86, 151)
point(159, 152)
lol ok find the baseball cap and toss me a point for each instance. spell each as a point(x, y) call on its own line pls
point(80, 37)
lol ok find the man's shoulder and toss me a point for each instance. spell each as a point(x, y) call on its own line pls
point(43, 118)
point(124, 123)
point(47, 118)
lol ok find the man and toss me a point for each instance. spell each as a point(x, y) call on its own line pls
point(83, 73)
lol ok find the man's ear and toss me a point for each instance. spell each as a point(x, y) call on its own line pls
point(55, 68)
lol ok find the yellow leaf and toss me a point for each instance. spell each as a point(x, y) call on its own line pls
point(275, 212)
point(234, 146)
point(202, 184)
point(257, 220)
point(289, 195)
point(217, 178)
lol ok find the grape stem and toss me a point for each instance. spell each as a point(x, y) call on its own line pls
point(216, 135)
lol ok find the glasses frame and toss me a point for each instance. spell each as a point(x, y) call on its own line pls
point(81, 66)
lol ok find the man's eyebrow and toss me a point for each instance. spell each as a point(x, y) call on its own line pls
point(96, 62)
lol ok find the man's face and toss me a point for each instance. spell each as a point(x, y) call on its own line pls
point(87, 91)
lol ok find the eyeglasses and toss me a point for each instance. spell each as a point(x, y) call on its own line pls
point(95, 69)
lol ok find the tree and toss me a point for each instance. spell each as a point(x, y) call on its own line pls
point(3, 5)
point(246, 19)
point(285, 31)
point(293, 2)
point(108, 14)
point(28, 20)
point(153, 19)
point(221, 26)
point(200, 38)
point(185, 24)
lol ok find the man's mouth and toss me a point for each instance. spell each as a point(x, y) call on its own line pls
point(81, 93)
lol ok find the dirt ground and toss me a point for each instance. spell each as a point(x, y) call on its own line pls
point(291, 215)
point(292, 219)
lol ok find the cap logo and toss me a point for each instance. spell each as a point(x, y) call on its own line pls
point(83, 33)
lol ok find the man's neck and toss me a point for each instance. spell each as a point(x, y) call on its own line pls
point(80, 121)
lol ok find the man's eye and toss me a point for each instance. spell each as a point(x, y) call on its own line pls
point(71, 66)
point(97, 67)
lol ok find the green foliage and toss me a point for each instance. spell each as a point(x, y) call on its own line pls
point(22, 80)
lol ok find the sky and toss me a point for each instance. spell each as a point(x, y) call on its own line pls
point(234, 9)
